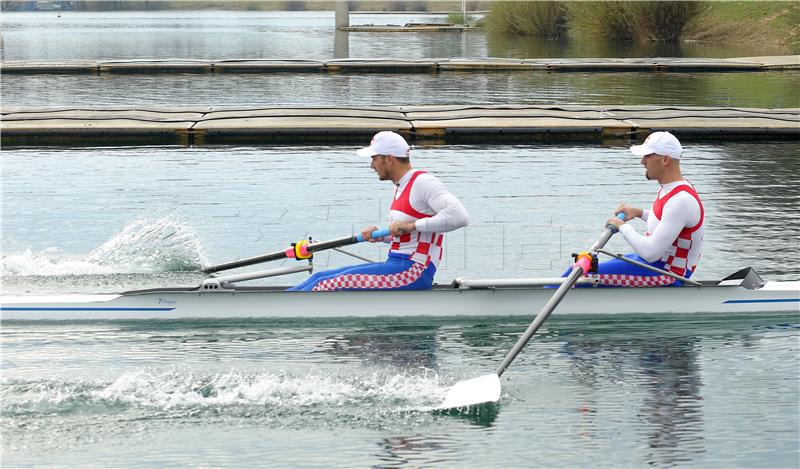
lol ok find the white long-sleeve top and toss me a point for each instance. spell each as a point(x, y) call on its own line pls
point(430, 196)
point(681, 211)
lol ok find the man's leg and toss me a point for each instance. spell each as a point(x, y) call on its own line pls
point(397, 273)
point(618, 273)
point(311, 281)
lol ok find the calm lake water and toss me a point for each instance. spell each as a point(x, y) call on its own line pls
point(602, 392)
point(626, 392)
point(760, 90)
point(304, 35)
point(605, 392)
point(156, 210)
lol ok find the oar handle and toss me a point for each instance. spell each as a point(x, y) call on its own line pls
point(377, 234)
point(584, 260)
point(621, 216)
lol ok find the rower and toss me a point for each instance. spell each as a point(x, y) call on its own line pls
point(422, 210)
point(675, 221)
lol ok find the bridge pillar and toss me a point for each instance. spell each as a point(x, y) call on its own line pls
point(342, 10)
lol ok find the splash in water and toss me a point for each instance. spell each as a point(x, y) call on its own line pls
point(267, 392)
point(144, 246)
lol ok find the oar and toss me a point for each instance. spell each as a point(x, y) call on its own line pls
point(486, 389)
point(291, 252)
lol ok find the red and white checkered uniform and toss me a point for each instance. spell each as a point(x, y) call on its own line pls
point(372, 282)
point(413, 258)
point(685, 250)
point(424, 248)
point(676, 254)
point(624, 280)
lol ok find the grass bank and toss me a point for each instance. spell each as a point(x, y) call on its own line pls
point(766, 22)
point(776, 22)
point(546, 19)
point(638, 21)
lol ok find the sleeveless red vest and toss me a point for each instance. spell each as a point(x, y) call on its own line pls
point(683, 243)
point(428, 246)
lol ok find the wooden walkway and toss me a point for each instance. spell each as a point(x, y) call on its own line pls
point(485, 65)
point(439, 124)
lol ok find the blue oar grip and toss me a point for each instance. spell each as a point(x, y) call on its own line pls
point(621, 216)
point(375, 235)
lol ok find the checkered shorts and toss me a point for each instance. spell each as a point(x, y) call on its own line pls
point(625, 280)
point(372, 282)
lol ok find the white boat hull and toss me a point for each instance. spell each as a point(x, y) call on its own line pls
point(441, 301)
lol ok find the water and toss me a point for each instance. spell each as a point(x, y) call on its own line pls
point(669, 391)
point(611, 392)
point(305, 35)
point(205, 35)
point(147, 212)
point(759, 90)
point(311, 35)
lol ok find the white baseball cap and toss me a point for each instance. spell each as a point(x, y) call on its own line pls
point(660, 143)
point(386, 143)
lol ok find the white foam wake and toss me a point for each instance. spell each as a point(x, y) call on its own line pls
point(179, 389)
point(169, 389)
point(48, 262)
point(144, 246)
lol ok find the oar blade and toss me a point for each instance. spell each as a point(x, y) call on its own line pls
point(481, 390)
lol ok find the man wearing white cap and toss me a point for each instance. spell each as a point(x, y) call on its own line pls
point(422, 210)
point(674, 235)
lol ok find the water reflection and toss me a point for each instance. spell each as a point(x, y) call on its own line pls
point(655, 366)
point(527, 47)
point(666, 371)
point(341, 44)
point(400, 345)
point(672, 413)
point(398, 451)
point(640, 391)
point(761, 90)
point(306, 35)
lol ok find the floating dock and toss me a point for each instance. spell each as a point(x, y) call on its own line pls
point(432, 124)
point(484, 65)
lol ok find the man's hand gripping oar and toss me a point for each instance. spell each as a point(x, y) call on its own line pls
point(486, 389)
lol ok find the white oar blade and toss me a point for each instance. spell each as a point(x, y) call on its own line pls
point(481, 390)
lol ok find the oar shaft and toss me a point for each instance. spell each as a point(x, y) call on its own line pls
point(487, 388)
point(273, 256)
point(578, 269)
point(313, 247)
point(548, 308)
point(607, 234)
point(333, 243)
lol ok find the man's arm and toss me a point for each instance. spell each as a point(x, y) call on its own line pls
point(679, 212)
point(450, 214)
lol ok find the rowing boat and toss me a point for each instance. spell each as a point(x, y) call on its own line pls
point(742, 292)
